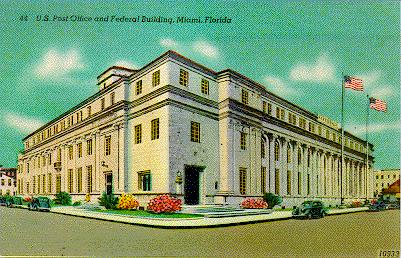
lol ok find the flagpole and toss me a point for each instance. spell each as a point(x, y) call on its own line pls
point(367, 146)
point(342, 138)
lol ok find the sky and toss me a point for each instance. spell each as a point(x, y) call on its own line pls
point(298, 50)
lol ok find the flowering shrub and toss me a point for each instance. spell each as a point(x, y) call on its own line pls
point(355, 204)
point(251, 203)
point(27, 199)
point(164, 203)
point(126, 202)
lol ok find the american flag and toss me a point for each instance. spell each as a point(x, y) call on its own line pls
point(353, 83)
point(378, 104)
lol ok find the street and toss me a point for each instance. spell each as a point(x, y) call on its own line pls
point(362, 234)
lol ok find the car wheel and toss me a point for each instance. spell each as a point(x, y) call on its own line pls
point(309, 216)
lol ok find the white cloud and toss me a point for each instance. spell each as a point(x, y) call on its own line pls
point(57, 65)
point(126, 64)
point(278, 86)
point(21, 123)
point(373, 128)
point(322, 70)
point(206, 49)
point(168, 42)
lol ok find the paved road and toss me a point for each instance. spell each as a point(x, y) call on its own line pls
point(24, 232)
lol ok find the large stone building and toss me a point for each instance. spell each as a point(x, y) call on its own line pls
point(384, 178)
point(175, 126)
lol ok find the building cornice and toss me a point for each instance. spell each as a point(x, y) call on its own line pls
point(241, 110)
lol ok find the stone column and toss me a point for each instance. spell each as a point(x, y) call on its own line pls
point(295, 166)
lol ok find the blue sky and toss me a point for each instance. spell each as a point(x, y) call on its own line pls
point(297, 49)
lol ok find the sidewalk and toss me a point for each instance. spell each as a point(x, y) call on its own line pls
point(199, 222)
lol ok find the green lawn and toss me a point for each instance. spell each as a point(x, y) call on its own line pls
point(140, 213)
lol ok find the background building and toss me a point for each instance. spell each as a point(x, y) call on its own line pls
point(175, 126)
point(8, 181)
point(384, 178)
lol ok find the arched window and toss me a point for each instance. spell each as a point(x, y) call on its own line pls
point(276, 151)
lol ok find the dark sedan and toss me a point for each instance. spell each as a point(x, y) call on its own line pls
point(310, 209)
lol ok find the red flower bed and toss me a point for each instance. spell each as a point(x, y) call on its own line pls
point(27, 199)
point(251, 203)
point(164, 203)
point(355, 204)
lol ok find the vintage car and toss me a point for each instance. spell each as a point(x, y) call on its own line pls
point(3, 201)
point(310, 209)
point(39, 204)
point(377, 206)
point(14, 201)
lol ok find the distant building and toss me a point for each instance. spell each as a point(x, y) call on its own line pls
point(392, 192)
point(384, 178)
point(8, 181)
point(175, 126)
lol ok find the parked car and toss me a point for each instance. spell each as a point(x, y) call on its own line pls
point(310, 209)
point(2, 201)
point(377, 206)
point(39, 204)
point(14, 201)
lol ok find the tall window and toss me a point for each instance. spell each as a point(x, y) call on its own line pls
point(302, 123)
point(195, 132)
point(112, 98)
point(28, 189)
point(89, 111)
point(102, 105)
point(58, 183)
point(299, 182)
point(79, 146)
point(280, 113)
point(63, 125)
point(308, 184)
point(269, 109)
point(34, 184)
point(70, 152)
point(38, 184)
point(138, 88)
point(263, 180)
point(242, 180)
point(59, 154)
point(89, 147)
point(292, 118)
point(43, 183)
point(138, 134)
point(299, 156)
point(154, 129)
point(262, 149)
point(79, 180)
point(276, 151)
point(277, 181)
point(205, 86)
point(289, 158)
point(244, 96)
point(70, 180)
point(243, 141)
point(49, 182)
point(311, 127)
point(319, 130)
point(89, 179)
point(107, 145)
point(156, 78)
point(144, 181)
point(49, 159)
point(264, 106)
point(183, 77)
point(289, 182)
